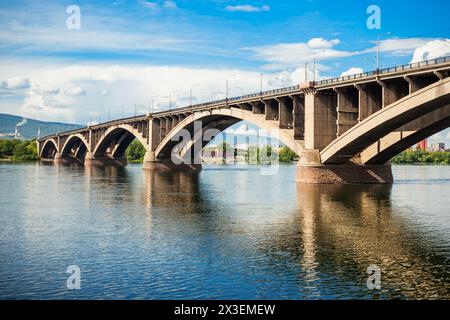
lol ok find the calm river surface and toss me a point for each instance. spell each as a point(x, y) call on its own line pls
point(227, 232)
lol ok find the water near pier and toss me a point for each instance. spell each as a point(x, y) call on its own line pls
point(226, 232)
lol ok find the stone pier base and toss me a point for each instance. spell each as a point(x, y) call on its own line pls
point(67, 161)
point(168, 165)
point(104, 162)
point(345, 173)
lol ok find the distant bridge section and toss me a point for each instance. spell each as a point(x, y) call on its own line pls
point(344, 129)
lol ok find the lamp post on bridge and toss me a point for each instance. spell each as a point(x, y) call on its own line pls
point(190, 94)
point(260, 83)
point(227, 89)
point(226, 93)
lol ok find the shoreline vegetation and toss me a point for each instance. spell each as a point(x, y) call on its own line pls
point(422, 157)
point(135, 153)
point(18, 150)
point(26, 150)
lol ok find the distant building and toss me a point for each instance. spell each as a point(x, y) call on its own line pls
point(422, 145)
point(440, 146)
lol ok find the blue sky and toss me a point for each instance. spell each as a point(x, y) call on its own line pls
point(131, 55)
point(212, 33)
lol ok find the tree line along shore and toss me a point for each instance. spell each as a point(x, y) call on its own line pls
point(26, 150)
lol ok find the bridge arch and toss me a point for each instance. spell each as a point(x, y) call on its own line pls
point(49, 149)
point(76, 146)
point(221, 119)
point(409, 135)
point(116, 139)
point(387, 120)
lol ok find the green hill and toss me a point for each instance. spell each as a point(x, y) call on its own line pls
point(28, 128)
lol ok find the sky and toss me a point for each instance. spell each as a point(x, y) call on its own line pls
point(127, 57)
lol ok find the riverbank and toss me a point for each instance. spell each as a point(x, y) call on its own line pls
point(422, 157)
point(18, 150)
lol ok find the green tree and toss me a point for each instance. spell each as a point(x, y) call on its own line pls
point(25, 151)
point(286, 155)
point(135, 151)
point(7, 148)
point(422, 156)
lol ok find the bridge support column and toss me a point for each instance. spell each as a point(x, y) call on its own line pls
point(151, 163)
point(344, 173)
point(394, 90)
point(347, 108)
point(370, 99)
point(57, 158)
point(310, 170)
point(285, 113)
point(90, 160)
point(298, 105)
point(270, 110)
point(64, 160)
point(320, 118)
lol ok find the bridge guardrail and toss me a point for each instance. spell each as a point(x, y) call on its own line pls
point(385, 70)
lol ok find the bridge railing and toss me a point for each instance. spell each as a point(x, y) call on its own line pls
point(324, 82)
point(384, 71)
point(232, 99)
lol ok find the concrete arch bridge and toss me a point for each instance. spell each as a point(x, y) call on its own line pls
point(344, 129)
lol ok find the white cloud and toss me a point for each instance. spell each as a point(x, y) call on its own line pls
point(149, 4)
point(351, 71)
point(50, 91)
point(74, 92)
point(431, 50)
point(400, 46)
point(170, 5)
point(243, 129)
point(57, 90)
point(321, 43)
point(249, 130)
point(247, 8)
point(15, 86)
point(288, 55)
point(18, 83)
point(40, 104)
point(80, 93)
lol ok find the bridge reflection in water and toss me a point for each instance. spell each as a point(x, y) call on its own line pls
point(311, 238)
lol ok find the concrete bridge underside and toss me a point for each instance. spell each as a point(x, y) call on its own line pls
point(344, 131)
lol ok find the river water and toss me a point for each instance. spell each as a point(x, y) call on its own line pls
point(228, 232)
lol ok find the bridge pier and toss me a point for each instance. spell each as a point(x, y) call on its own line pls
point(151, 163)
point(311, 171)
point(90, 160)
point(64, 160)
point(169, 166)
point(344, 173)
